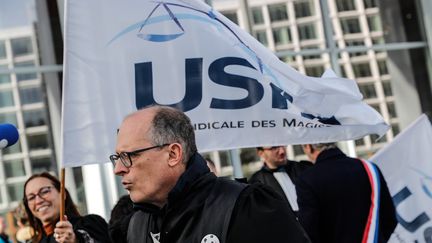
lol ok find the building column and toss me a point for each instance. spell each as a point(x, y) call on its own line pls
point(100, 189)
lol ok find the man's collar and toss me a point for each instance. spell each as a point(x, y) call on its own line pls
point(279, 168)
point(147, 207)
point(196, 167)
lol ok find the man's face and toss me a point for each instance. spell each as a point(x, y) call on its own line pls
point(273, 156)
point(150, 178)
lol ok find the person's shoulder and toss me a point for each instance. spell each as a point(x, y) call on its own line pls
point(90, 220)
point(309, 170)
point(92, 226)
point(305, 163)
point(258, 175)
point(253, 219)
point(228, 184)
point(301, 165)
point(258, 192)
point(93, 217)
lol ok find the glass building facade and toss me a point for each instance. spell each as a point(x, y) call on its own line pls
point(30, 90)
point(23, 102)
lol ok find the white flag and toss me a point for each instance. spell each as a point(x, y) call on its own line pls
point(123, 55)
point(406, 164)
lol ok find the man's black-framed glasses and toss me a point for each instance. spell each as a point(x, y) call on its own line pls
point(273, 148)
point(42, 193)
point(125, 157)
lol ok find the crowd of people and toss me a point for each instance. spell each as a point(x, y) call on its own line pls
point(175, 195)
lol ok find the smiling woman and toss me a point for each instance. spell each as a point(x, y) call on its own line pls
point(42, 204)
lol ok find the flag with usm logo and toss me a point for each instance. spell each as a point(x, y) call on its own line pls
point(407, 168)
point(187, 55)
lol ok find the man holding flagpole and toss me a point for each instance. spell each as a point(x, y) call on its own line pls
point(179, 200)
point(343, 199)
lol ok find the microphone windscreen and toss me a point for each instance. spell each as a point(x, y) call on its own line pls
point(8, 135)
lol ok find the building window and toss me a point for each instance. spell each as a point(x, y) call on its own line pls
point(248, 155)
point(350, 26)
point(15, 191)
point(382, 66)
point(374, 139)
point(395, 128)
point(257, 15)
point(225, 158)
point(374, 23)
point(4, 78)
point(39, 141)
point(33, 118)
point(14, 149)
point(370, 3)
point(345, 5)
point(307, 32)
point(231, 16)
point(368, 90)
point(343, 72)
point(6, 98)
point(22, 46)
point(30, 95)
point(387, 88)
point(391, 109)
point(311, 56)
point(282, 35)
point(315, 71)
point(361, 70)
point(42, 164)
point(298, 150)
point(8, 118)
point(350, 43)
point(287, 59)
point(2, 49)
point(261, 36)
point(359, 142)
point(303, 9)
point(278, 12)
point(376, 107)
point(25, 76)
point(14, 168)
point(378, 41)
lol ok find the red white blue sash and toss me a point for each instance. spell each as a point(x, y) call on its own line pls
point(370, 234)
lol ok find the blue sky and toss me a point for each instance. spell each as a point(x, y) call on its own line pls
point(16, 13)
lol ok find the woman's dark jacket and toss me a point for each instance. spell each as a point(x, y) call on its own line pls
point(88, 229)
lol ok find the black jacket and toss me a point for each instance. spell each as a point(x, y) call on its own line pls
point(85, 227)
point(292, 168)
point(334, 197)
point(202, 206)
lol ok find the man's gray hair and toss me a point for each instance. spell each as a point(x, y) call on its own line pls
point(170, 125)
point(323, 146)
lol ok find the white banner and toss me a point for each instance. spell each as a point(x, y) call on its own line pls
point(123, 55)
point(406, 164)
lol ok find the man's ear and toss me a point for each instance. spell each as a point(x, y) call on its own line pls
point(175, 155)
point(260, 152)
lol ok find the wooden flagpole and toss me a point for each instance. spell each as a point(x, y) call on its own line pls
point(62, 194)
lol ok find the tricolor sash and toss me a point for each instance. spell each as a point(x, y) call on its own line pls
point(370, 234)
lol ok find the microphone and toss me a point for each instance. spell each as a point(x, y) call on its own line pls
point(8, 135)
